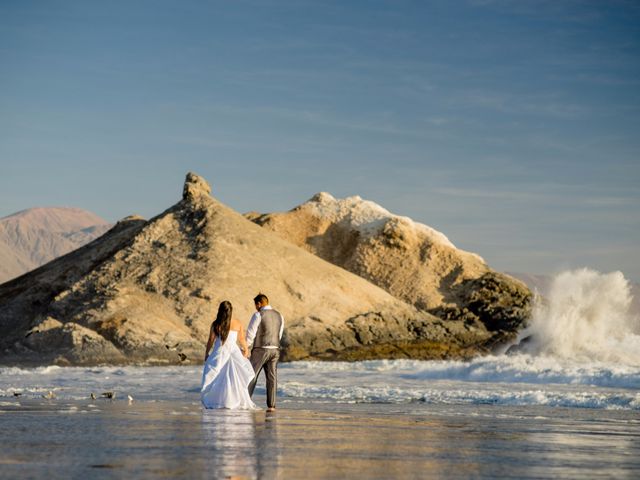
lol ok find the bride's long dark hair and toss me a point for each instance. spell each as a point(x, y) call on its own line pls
point(223, 321)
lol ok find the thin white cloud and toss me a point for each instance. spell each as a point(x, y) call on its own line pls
point(548, 104)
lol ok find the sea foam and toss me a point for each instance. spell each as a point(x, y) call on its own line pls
point(586, 318)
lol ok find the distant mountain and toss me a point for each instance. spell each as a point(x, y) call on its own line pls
point(33, 237)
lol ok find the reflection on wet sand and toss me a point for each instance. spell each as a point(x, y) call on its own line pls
point(182, 440)
point(230, 438)
point(242, 444)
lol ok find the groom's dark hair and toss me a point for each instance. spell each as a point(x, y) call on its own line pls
point(261, 297)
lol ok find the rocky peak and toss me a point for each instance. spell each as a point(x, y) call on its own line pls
point(195, 187)
point(322, 197)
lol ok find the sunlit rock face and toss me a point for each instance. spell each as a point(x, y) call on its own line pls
point(410, 260)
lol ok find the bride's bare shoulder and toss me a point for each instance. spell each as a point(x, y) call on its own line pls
point(235, 324)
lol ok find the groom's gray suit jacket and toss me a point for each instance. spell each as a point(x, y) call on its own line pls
point(268, 334)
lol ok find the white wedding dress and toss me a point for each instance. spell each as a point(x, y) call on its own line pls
point(226, 376)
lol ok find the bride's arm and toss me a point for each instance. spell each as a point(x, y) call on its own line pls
point(243, 342)
point(212, 338)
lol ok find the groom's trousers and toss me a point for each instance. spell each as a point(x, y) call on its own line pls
point(266, 358)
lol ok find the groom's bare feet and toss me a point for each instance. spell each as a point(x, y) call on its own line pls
point(271, 409)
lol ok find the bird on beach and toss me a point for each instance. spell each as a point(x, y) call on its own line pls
point(130, 398)
point(93, 396)
point(182, 356)
point(110, 395)
point(174, 347)
point(49, 396)
point(17, 394)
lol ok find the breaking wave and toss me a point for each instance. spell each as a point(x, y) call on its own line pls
point(586, 318)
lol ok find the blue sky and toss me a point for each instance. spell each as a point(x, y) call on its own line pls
point(511, 126)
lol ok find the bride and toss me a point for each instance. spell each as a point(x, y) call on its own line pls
point(227, 371)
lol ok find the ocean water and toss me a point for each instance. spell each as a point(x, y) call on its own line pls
point(519, 380)
point(567, 406)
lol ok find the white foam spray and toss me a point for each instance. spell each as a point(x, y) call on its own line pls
point(586, 318)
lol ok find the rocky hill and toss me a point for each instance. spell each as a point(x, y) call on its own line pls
point(33, 237)
point(411, 261)
point(147, 291)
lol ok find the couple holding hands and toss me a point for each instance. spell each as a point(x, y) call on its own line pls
point(231, 371)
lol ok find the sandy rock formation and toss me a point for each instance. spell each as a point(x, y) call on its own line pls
point(147, 291)
point(410, 260)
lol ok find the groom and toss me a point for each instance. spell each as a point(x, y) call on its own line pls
point(263, 337)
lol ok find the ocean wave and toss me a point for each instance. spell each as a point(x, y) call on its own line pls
point(456, 396)
point(517, 380)
point(520, 368)
point(586, 316)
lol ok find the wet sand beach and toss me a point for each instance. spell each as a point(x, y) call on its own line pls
point(312, 439)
